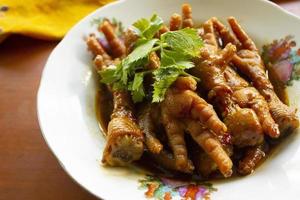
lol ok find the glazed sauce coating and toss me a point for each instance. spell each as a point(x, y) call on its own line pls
point(104, 109)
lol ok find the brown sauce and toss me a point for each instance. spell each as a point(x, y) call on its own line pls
point(104, 107)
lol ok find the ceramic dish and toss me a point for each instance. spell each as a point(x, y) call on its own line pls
point(67, 117)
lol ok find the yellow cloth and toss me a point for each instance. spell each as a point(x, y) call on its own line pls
point(44, 19)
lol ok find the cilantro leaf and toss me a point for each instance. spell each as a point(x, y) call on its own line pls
point(177, 48)
point(170, 57)
point(164, 77)
point(185, 64)
point(155, 24)
point(117, 86)
point(173, 64)
point(136, 58)
point(108, 75)
point(185, 40)
point(147, 28)
point(142, 24)
point(140, 52)
point(137, 87)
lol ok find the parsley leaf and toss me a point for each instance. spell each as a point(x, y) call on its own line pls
point(185, 40)
point(146, 28)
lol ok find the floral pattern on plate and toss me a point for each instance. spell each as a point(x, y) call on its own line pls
point(283, 58)
point(169, 189)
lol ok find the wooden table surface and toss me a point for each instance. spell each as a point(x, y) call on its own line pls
point(28, 170)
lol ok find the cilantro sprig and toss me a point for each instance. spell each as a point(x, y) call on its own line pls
point(176, 50)
point(147, 28)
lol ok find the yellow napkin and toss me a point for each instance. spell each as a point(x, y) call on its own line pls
point(44, 19)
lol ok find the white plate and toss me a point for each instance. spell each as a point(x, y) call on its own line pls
point(66, 102)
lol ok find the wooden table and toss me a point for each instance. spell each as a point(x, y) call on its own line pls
point(28, 170)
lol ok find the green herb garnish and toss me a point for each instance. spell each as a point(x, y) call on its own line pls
point(176, 48)
point(126, 69)
point(147, 28)
point(186, 40)
point(137, 89)
point(164, 77)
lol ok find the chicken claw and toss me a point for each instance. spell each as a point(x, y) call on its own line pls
point(182, 101)
point(187, 16)
point(182, 109)
point(249, 62)
point(244, 94)
point(95, 47)
point(124, 138)
point(175, 22)
point(175, 132)
point(210, 69)
point(248, 97)
point(146, 124)
point(117, 46)
point(252, 158)
point(211, 146)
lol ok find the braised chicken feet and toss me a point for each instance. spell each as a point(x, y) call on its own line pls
point(249, 62)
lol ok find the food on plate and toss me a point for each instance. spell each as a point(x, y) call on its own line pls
point(249, 62)
point(124, 137)
point(194, 100)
